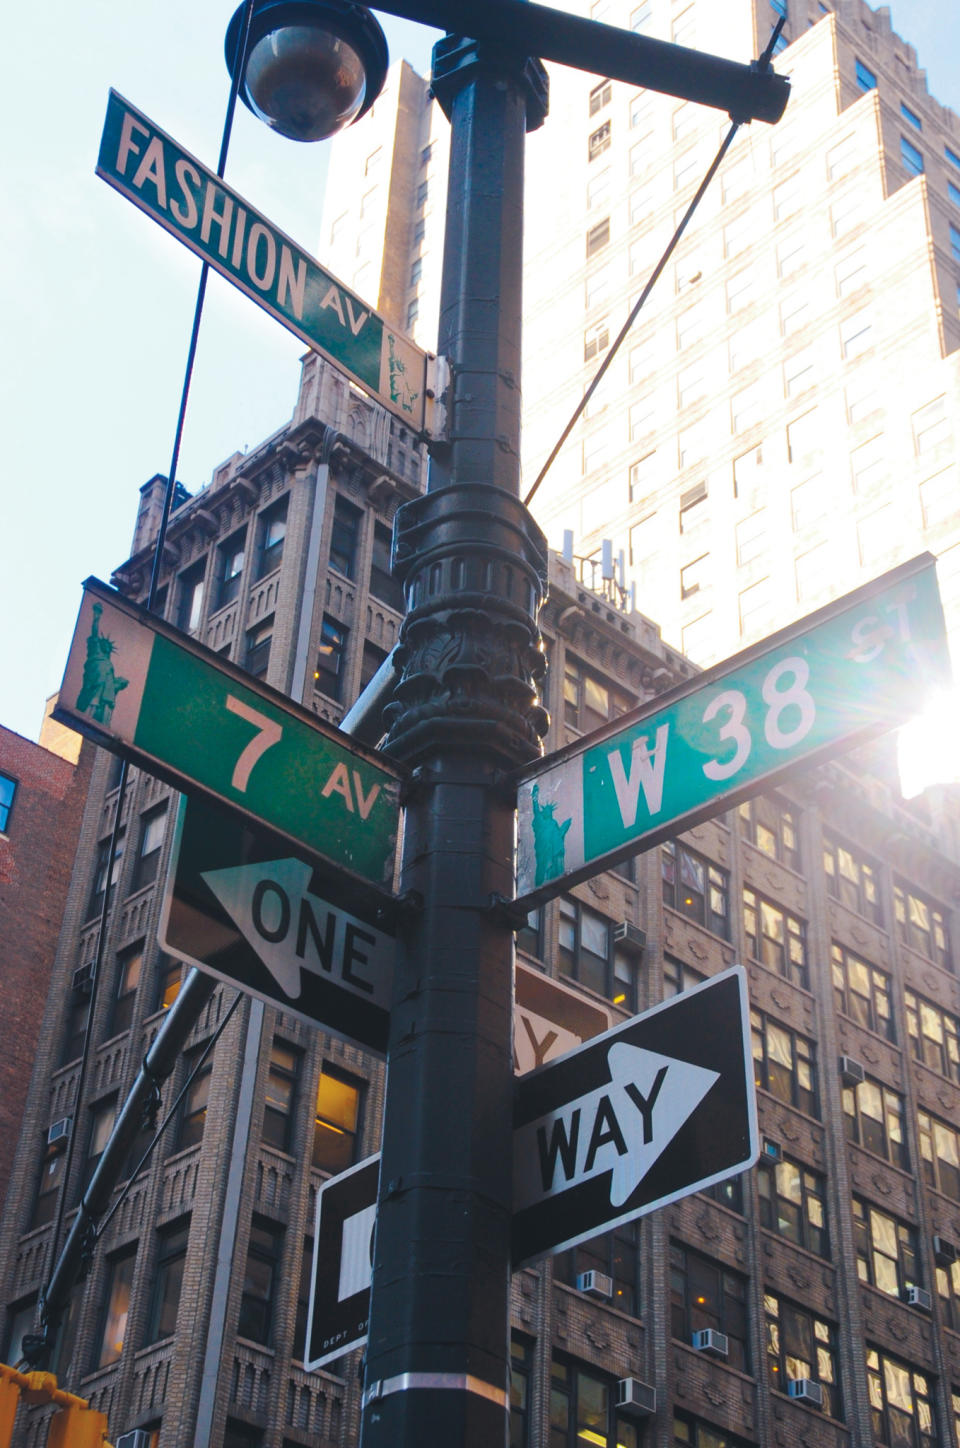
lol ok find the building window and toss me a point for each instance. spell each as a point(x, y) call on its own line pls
point(696, 887)
point(371, 659)
point(678, 976)
point(729, 1194)
point(598, 189)
point(262, 1266)
point(948, 1290)
point(683, 31)
point(640, 15)
point(705, 1294)
point(167, 1281)
point(281, 1100)
point(851, 272)
point(167, 982)
point(115, 1308)
point(596, 339)
point(939, 1155)
point(692, 1433)
point(192, 1118)
point(240, 1435)
point(617, 1256)
point(952, 157)
point(901, 1403)
point(587, 953)
point(273, 531)
point(530, 935)
point(230, 568)
point(934, 1036)
point(100, 874)
point(589, 700)
point(582, 1409)
point(911, 116)
point(383, 585)
point(784, 1063)
point(922, 926)
point(874, 1120)
point(598, 236)
point(8, 788)
point(328, 674)
point(600, 96)
point(692, 512)
point(694, 576)
point(866, 79)
point(856, 334)
point(52, 1169)
point(598, 141)
point(521, 1369)
point(886, 1249)
point(931, 427)
point(152, 829)
point(345, 536)
point(861, 991)
point(851, 880)
point(256, 659)
point(911, 156)
point(128, 980)
point(801, 1345)
point(337, 1121)
point(776, 938)
point(771, 826)
point(190, 609)
point(793, 1204)
point(78, 1014)
point(102, 1118)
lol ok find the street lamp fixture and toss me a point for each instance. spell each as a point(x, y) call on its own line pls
point(312, 66)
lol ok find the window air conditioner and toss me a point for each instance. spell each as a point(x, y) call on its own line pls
point(59, 1132)
point(917, 1297)
point(136, 1438)
point(636, 1399)
point(595, 1284)
point(771, 1150)
point(708, 1339)
point(851, 1072)
point(83, 978)
point(805, 1390)
point(944, 1251)
point(629, 937)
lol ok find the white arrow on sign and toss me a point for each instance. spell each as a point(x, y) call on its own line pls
point(621, 1128)
point(292, 929)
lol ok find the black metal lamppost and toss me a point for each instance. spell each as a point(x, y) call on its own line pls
point(465, 711)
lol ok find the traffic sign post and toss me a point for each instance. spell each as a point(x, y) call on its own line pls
point(144, 690)
point(244, 906)
point(835, 679)
point(147, 166)
point(342, 1264)
point(656, 1108)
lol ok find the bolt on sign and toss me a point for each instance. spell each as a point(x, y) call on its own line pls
point(831, 681)
point(141, 688)
point(147, 166)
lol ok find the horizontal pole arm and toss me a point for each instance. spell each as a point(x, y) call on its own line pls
point(745, 91)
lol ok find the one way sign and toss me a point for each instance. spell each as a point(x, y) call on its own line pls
point(651, 1111)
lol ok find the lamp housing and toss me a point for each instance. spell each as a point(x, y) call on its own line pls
point(312, 66)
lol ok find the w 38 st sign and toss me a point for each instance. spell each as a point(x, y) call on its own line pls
point(831, 681)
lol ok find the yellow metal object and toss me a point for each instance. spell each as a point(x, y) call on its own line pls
point(76, 1425)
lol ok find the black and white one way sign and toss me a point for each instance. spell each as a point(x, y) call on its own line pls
point(654, 1109)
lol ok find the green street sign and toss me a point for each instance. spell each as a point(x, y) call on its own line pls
point(144, 690)
point(169, 184)
point(825, 684)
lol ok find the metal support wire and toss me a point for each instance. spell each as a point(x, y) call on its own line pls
point(762, 64)
point(50, 1309)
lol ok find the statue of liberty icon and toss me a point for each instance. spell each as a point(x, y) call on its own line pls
point(549, 837)
point(101, 683)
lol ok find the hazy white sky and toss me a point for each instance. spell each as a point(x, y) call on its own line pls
point(96, 300)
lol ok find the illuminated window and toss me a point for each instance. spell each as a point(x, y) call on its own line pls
point(861, 991)
point(776, 937)
point(695, 887)
point(801, 1345)
point(921, 924)
point(784, 1063)
point(336, 1121)
point(874, 1120)
point(705, 1294)
point(901, 1402)
point(934, 1036)
point(116, 1306)
point(886, 1249)
point(793, 1203)
point(582, 1409)
point(852, 880)
point(587, 952)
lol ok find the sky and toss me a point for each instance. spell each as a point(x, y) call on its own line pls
point(97, 301)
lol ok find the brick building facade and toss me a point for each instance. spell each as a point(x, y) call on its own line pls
point(41, 802)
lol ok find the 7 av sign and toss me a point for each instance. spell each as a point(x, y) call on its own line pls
point(141, 688)
point(831, 681)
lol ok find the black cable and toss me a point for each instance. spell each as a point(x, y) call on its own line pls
point(762, 64)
